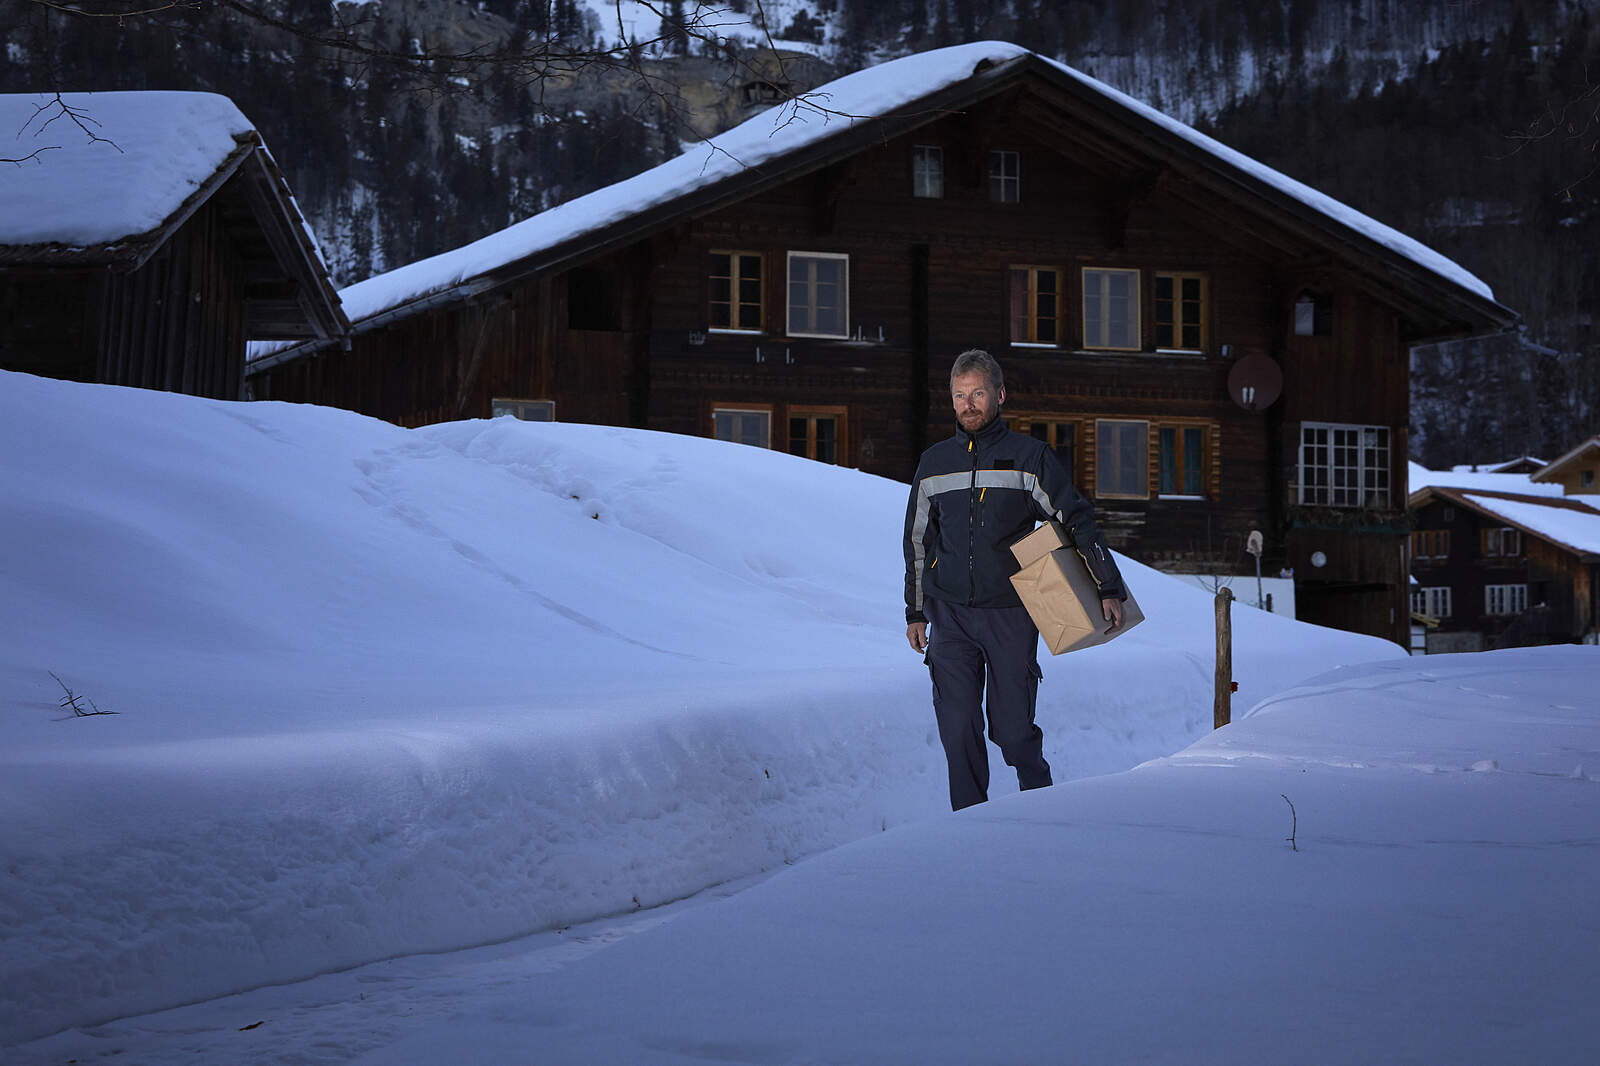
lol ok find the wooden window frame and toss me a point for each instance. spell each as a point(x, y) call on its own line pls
point(1178, 301)
point(844, 295)
point(1430, 544)
point(927, 183)
point(1210, 461)
point(1328, 495)
point(512, 407)
point(840, 413)
point(1424, 597)
point(1032, 309)
point(1102, 303)
point(1099, 438)
point(734, 303)
point(1493, 540)
point(733, 407)
point(1512, 597)
point(1000, 179)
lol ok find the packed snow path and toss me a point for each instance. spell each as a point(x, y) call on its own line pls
point(1391, 863)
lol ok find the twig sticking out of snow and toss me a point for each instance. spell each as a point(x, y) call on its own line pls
point(72, 699)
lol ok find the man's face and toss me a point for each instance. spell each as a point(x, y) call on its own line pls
point(975, 401)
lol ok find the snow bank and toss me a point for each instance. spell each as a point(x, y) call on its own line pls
point(383, 691)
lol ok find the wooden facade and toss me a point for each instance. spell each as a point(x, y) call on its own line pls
point(1577, 472)
point(1486, 580)
point(172, 309)
point(703, 316)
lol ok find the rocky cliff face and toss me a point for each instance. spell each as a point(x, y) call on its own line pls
point(425, 135)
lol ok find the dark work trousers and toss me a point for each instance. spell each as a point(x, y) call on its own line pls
point(971, 651)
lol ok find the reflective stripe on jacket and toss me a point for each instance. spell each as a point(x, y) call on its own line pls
point(975, 495)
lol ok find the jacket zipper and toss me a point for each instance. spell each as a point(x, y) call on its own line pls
point(972, 525)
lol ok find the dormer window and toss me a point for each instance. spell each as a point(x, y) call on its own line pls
point(1005, 177)
point(927, 171)
point(1313, 315)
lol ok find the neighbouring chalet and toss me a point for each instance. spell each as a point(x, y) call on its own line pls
point(145, 238)
point(1210, 346)
point(1508, 560)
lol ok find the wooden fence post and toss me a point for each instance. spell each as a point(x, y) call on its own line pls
point(1223, 710)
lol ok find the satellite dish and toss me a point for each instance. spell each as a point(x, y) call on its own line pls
point(1255, 381)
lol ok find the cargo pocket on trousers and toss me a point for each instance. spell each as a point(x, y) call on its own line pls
point(1035, 676)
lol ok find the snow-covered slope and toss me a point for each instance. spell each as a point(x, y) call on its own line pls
point(382, 691)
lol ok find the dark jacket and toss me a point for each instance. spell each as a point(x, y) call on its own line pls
point(975, 495)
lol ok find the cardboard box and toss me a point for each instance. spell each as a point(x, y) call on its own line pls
point(1060, 596)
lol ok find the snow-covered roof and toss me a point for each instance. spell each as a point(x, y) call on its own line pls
point(1504, 467)
point(828, 111)
point(157, 149)
point(1571, 523)
point(1420, 477)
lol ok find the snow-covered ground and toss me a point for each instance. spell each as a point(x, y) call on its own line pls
point(383, 692)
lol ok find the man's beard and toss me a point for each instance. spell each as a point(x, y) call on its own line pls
point(981, 426)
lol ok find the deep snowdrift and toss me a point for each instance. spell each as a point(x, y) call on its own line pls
point(382, 691)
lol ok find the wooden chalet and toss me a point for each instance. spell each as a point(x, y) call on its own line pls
point(1577, 472)
point(150, 256)
point(1499, 569)
point(1211, 347)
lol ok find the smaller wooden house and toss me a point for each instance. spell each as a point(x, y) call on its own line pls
point(1498, 564)
point(1577, 472)
point(145, 237)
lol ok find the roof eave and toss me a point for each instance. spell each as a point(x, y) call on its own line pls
point(1480, 314)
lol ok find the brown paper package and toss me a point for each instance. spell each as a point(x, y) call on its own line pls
point(1060, 596)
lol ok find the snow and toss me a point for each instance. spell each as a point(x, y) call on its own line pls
point(1420, 477)
point(386, 692)
point(383, 691)
point(829, 110)
point(77, 191)
point(1576, 527)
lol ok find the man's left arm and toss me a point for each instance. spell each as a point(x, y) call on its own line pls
point(1063, 502)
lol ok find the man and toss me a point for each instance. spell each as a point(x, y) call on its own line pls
point(974, 495)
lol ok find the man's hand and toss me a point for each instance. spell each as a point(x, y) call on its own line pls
point(1111, 607)
point(917, 634)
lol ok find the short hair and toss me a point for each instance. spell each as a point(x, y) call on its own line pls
point(981, 361)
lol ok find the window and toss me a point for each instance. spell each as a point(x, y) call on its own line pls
point(1431, 600)
point(1313, 315)
point(736, 292)
point(743, 425)
point(1111, 309)
point(1182, 460)
point(1062, 437)
point(817, 433)
point(819, 294)
point(1035, 305)
point(1586, 479)
point(1005, 177)
point(927, 171)
point(527, 410)
point(592, 302)
point(1122, 466)
point(1180, 312)
point(1504, 542)
point(1344, 466)
point(1505, 599)
point(1430, 544)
